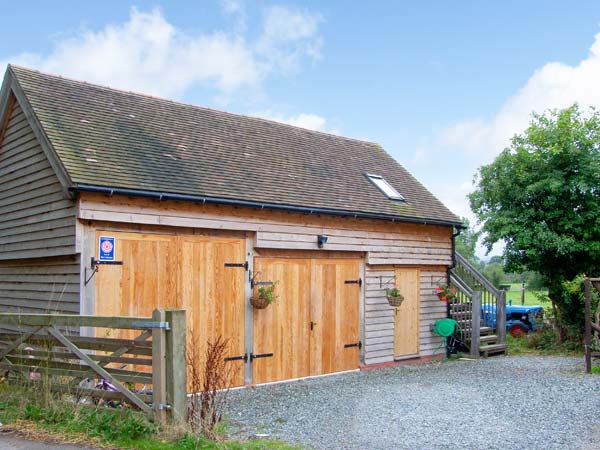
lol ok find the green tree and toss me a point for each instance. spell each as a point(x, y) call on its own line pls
point(541, 196)
point(466, 242)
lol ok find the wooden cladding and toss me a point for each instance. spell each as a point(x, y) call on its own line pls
point(188, 272)
point(385, 243)
point(37, 220)
point(312, 329)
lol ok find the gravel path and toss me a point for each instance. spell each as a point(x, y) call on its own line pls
point(516, 402)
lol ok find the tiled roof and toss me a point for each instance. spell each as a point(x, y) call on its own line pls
point(107, 137)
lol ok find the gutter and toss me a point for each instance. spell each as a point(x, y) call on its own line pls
point(259, 205)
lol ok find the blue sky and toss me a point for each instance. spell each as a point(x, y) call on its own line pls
point(441, 85)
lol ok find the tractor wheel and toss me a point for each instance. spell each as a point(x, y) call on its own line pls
point(517, 330)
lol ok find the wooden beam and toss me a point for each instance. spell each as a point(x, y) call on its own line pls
point(159, 369)
point(72, 320)
point(176, 364)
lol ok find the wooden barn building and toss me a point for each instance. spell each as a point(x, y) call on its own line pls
point(116, 203)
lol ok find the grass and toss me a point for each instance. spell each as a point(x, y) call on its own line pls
point(60, 419)
point(531, 298)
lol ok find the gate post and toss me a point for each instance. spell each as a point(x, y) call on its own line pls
point(159, 369)
point(176, 367)
point(501, 317)
point(475, 323)
point(588, 327)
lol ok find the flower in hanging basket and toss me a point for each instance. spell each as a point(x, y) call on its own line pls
point(266, 296)
point(394, 297)
point(446, 292)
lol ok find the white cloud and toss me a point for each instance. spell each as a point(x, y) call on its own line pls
point(287, 35)
point(303, 120)
point(148, 54)
point(555, 85)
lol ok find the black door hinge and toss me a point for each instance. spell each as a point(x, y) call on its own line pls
point(260, 355)
point(359, 282)
point(356, 344)
point(243, 357)
point(244, 265)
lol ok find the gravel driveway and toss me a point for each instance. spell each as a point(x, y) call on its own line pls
point(515, 402)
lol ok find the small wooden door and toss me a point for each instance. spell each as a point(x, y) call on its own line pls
point(309, 327)
point(406, 320)
point(334, 315)
point(282, 328)
point(214, 296)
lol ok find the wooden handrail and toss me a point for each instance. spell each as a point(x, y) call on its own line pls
point(477, 275)
point(460, 284)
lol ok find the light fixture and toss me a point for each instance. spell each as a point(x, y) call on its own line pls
point(321, 241)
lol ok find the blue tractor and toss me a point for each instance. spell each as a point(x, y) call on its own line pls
point(520, 320)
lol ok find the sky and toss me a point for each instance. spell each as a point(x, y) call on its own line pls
point(441, 85)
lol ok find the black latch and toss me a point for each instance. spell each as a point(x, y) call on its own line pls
point(357, 344)
point(359, 282)
point(260, 355)
point(244, 265)
point(243, 357)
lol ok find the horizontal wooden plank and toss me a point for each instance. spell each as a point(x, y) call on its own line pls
point(89, 343)
point(36, 253)
point(379, 360)
point(78, 391)
point(69, 320)
point(84, 372)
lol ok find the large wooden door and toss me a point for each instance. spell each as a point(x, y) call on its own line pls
point(312, 329)
point(334, 314)
point(146, 280)
point(167, 271)
point(406, 320)
point(213, 296)
point(282, 328)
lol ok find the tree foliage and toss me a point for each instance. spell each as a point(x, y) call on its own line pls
point(466, 242)
point(541, 196)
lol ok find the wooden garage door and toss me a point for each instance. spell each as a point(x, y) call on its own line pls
point(213, 295)
point(312, 329)
point(179, 272)
point(406, 320)
point(282, 328)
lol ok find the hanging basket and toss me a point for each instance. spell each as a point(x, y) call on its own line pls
point(395, 301)
point(259, 302)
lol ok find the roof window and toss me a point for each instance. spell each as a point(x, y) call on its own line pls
point(384, 186)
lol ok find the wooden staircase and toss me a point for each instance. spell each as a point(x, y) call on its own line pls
point(479, 310)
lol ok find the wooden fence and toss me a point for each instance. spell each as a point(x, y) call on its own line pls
point(64, 350)
point(591, 327)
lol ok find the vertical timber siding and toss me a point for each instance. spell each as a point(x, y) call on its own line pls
point(37, 220)
point(40, 285)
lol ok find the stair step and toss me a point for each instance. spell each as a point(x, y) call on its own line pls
point(489, 338)
point(487, 350)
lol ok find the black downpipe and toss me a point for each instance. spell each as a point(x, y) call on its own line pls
point(250, 204)
point(452, 266)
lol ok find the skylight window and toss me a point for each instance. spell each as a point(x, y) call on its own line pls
point(384, 186)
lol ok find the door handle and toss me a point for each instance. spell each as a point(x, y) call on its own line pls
point(312, 325)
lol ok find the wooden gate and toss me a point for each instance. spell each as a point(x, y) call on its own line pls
point(168, 271)
point(406, 319)
point(312, 329)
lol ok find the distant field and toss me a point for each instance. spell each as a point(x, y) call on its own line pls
point(530, 296)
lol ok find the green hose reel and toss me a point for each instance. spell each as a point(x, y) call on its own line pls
point(444, 328)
